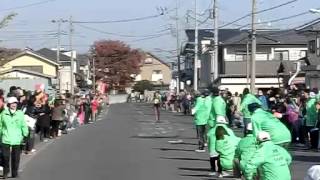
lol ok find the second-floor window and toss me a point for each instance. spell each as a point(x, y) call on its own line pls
point(38, 69)
point(156, 75)
point(281, 55)
point(318, 46)
point(312, 46)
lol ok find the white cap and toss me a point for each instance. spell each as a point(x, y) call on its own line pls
point(312, 94)
point(11, 100)
point(313, 173)
point(221, 120)
point(249, 127)
point(264, 136)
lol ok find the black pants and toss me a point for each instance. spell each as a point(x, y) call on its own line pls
point(43, 132)
point(87, 115)
point(14, 152)
point(30, 140)
point(214, 163)
point(201, 130)
point(55, 127)
point(314, 137)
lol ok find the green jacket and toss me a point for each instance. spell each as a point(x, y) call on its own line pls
point(311, 115)
point(212, 138)
point(245, 150)
point(248, 99)
point(218, 108)
point(202, 110)
point(226, 149)
point(273, 162)
point(13, 128)
point(265, 121)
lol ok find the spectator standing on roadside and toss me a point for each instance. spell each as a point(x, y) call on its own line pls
point(58, 115)
point(311, 120)
point(13, 130)
point(87, 109)
point(247, 99)
point(202, 111)
point(94, 107)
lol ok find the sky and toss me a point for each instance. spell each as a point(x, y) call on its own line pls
point(32, 27)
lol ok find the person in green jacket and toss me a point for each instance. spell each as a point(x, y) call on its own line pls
point(13, 129)
point(311, 120)
point(217, 116)
point(202, 112)
point(265, 121)
point(272, 160)
point(225, 146)
point(244, 152)
point(246, 100)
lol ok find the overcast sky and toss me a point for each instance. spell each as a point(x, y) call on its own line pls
point(32, 27)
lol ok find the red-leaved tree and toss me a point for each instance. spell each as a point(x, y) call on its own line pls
point(115, 63)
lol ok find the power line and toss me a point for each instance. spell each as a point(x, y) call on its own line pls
point(27, 5)
point(120, 21)
point(148, 38)
point(277, 20)
point(116, 34)
point(258, 12)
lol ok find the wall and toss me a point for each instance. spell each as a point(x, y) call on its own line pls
point(27, 60)
point(147, 70)
point(265, 63)
point(28, 84)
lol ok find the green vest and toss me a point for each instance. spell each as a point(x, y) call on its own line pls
point(272, 160)
point(202, 110)
point(265, 121)
point(13, 127)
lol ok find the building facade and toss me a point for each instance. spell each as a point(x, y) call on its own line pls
point(155, 70)
point(276, 50)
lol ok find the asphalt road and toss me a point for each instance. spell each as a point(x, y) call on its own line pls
point(127, 144)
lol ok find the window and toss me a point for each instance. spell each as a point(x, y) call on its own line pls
point(38, 69)
point(148, 61)
point(312, 46)
point(156, 72)
point(318, 46)
point(240, 55)
point(281, 55)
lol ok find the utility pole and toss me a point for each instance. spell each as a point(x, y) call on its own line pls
point(71, 57)
point(178, 47)
point(216, 40)
point(254, 47)
point(195, 73)
point(94, 73)
point(59, 21)
point(248, 64)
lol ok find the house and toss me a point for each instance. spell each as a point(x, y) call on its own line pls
point(26, 69)
point(276, 50)
point(311, 31)
point(32, 61)
point(155, 70)
point(64, 67)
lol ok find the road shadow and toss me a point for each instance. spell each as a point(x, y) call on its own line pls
point(195, 169)
point(184, 159)
point(174, 149)
point(153, 137)
point(306, 158)
point(195, 175)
